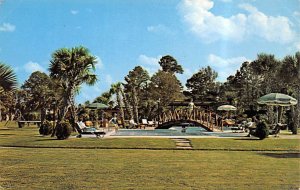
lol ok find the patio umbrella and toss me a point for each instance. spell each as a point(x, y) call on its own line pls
point(226, 108)
point(97, 106)
point(277, 99)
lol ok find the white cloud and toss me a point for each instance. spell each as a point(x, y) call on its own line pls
point(108, 79)
point(99, 64)
point(7, 27)
point(273, 29)
point(225, 66)
point(210, 27)
point(226, 1)
point(31, 67)
point(74, 12)
point(149, 63)
point(160, 29)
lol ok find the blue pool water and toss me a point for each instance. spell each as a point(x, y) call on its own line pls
point(176, 131)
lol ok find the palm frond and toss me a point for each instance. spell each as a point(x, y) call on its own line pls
point(8, 79)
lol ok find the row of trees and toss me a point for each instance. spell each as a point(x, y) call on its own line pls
point(69, 69)
point(254, 79)
point(142, 95)
point(264, 75)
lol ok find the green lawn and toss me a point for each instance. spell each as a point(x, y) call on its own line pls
point(272, 144)
point(29, 136)
point(268, 164)
point(146, 169)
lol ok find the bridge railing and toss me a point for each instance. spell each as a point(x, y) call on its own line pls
point(205, 117)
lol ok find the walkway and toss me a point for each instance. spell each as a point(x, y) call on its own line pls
point(182, 143)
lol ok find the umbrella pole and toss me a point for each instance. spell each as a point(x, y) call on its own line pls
point(277, 114)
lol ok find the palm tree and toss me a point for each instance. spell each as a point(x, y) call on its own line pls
point(116, 89)
point(104, 98)
point(72, 67)
point(8, 79)
point(127, 105)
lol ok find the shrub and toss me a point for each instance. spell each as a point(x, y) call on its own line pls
point(262, 130)
point(294, 129)
point(63, 130)
point(46, 128)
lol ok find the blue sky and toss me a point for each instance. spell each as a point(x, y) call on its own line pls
point(127, 33)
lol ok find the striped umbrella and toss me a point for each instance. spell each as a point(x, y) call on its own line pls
point(226, 108)
point(277, 99)
point(97, 106)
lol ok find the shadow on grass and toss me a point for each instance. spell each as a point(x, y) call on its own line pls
point(6, 134)
point(248, 139)
point(54, 139)
point(281, 155)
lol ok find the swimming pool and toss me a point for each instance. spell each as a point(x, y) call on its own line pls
point(176, 131)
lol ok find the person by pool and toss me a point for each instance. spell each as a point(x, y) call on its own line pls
point(183, 130)
point(114, 121)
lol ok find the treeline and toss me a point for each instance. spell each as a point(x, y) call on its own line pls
point(144, 96)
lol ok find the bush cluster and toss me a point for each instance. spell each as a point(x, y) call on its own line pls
point(63, 130)
point(46, 128)
point(262, 130)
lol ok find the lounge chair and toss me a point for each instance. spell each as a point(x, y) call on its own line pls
point(275, 131)
point(251, 127)
point(150, 123)
point(228, 122)
point(237, 129)
point(132, 124)
point(82, 130)
point(144, 123)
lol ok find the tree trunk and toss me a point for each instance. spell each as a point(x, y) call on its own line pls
point(74, 117)
point(43, 115)
point(120, 105)
point(127, 106)
point(135, 105)
point(66, 103)
point(64, 110)
point(0, 113)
